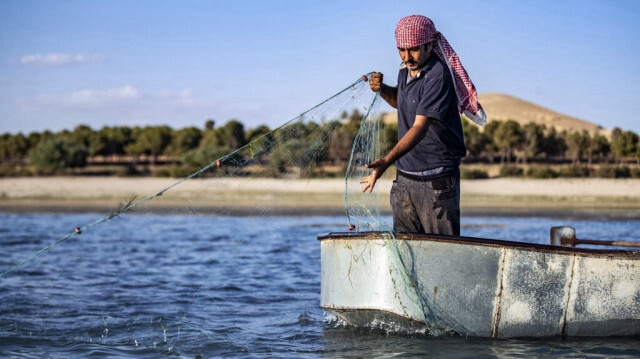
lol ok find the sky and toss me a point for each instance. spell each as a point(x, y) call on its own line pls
point(179, 63)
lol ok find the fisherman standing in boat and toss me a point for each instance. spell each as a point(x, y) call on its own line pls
point(433, 89)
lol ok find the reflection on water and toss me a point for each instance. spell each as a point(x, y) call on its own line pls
point(354, 342)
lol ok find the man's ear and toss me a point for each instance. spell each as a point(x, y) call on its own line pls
point(429, 46)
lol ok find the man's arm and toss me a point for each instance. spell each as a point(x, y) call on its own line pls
point(389, 94)
point(415, 134)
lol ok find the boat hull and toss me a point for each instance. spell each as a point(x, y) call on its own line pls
point(479, 288)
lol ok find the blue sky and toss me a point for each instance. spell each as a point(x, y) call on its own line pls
point(64, 63)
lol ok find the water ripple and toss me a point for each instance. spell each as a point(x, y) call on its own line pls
point(153, 286)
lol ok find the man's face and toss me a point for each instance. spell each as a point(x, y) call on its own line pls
point(415, 57)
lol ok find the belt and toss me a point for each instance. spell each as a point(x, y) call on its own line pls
point(447, 173)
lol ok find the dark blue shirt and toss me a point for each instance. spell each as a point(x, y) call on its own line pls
point(431, 94)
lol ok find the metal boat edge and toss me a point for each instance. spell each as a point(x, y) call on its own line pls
point(511, 289)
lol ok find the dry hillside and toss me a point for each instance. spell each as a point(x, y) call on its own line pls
point(505, 107)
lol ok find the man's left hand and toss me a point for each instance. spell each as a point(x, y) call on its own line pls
point(379, 166)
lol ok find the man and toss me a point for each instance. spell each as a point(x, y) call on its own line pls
point(433, 88)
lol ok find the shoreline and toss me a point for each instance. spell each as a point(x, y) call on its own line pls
point(574, 198)
point(563, 213)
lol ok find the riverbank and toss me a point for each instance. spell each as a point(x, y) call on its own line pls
point(594, 197)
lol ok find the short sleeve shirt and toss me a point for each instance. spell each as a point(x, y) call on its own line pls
point(430, 94)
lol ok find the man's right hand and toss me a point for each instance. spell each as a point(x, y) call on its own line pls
point(390, 94)
point(375, 81)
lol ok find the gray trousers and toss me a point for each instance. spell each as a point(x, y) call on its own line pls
point(426, 206)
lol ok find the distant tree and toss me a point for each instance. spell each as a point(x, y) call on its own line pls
point(203, 155)
point(617, 143)
point(390, 136)
point(233, 134)
point(211, 138)
point(638, 152)
point(301, 145)
point(209, 124)
point(4, 153)
point(257, 132)
point(577, 145)
point(624, 143)
point(354, 121)
point(279, 160)
point(533, 137)
point(261, 141)
point(152, 140)
point(317, 150)
point(13, 148)
point(297, 129)
point(554, 144)
point(355, 116)
point(474, 140)
point(343, 134)
point(54, 153)
point(295, 152)
point(97, 144)
point(46, 134)
point(94, 141)
point(599, 147)
point(81, 134)
point(32, 139)
point(216, 144)
point(490, 147)
point(313, 128)
point(116, 139)
point(507, 137)
point(340, 143)
point(184, 140)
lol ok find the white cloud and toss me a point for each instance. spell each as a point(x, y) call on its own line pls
point(98, 98)
point(59, 59)
point(85, 99)
point(131, 105)
point(177, 99)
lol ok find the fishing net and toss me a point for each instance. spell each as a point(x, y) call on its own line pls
point(269, 172)
point(260, 175)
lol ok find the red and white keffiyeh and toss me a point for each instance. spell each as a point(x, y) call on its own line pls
point(416, 30)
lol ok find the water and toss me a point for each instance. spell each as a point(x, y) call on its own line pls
point(210, 286)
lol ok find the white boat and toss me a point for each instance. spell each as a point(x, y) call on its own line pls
point(479, 287)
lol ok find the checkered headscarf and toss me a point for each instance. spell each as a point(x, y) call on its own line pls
point(416, 30)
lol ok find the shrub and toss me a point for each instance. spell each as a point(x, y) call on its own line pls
point(473, 174)
point(15, 171)
point(160, 172)
point(609, 171)
point(126, 171)
point(177, 171)
point(203, 156)
point(57, 153)
point(542, 172)
point(511, 171)
point(173, 171)
point(574, 171)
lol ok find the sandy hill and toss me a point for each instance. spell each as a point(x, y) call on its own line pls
point(505, 107)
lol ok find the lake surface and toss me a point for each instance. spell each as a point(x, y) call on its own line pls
point(205, 286)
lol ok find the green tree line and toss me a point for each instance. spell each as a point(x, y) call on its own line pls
point(509, 141)
point(505, 142)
